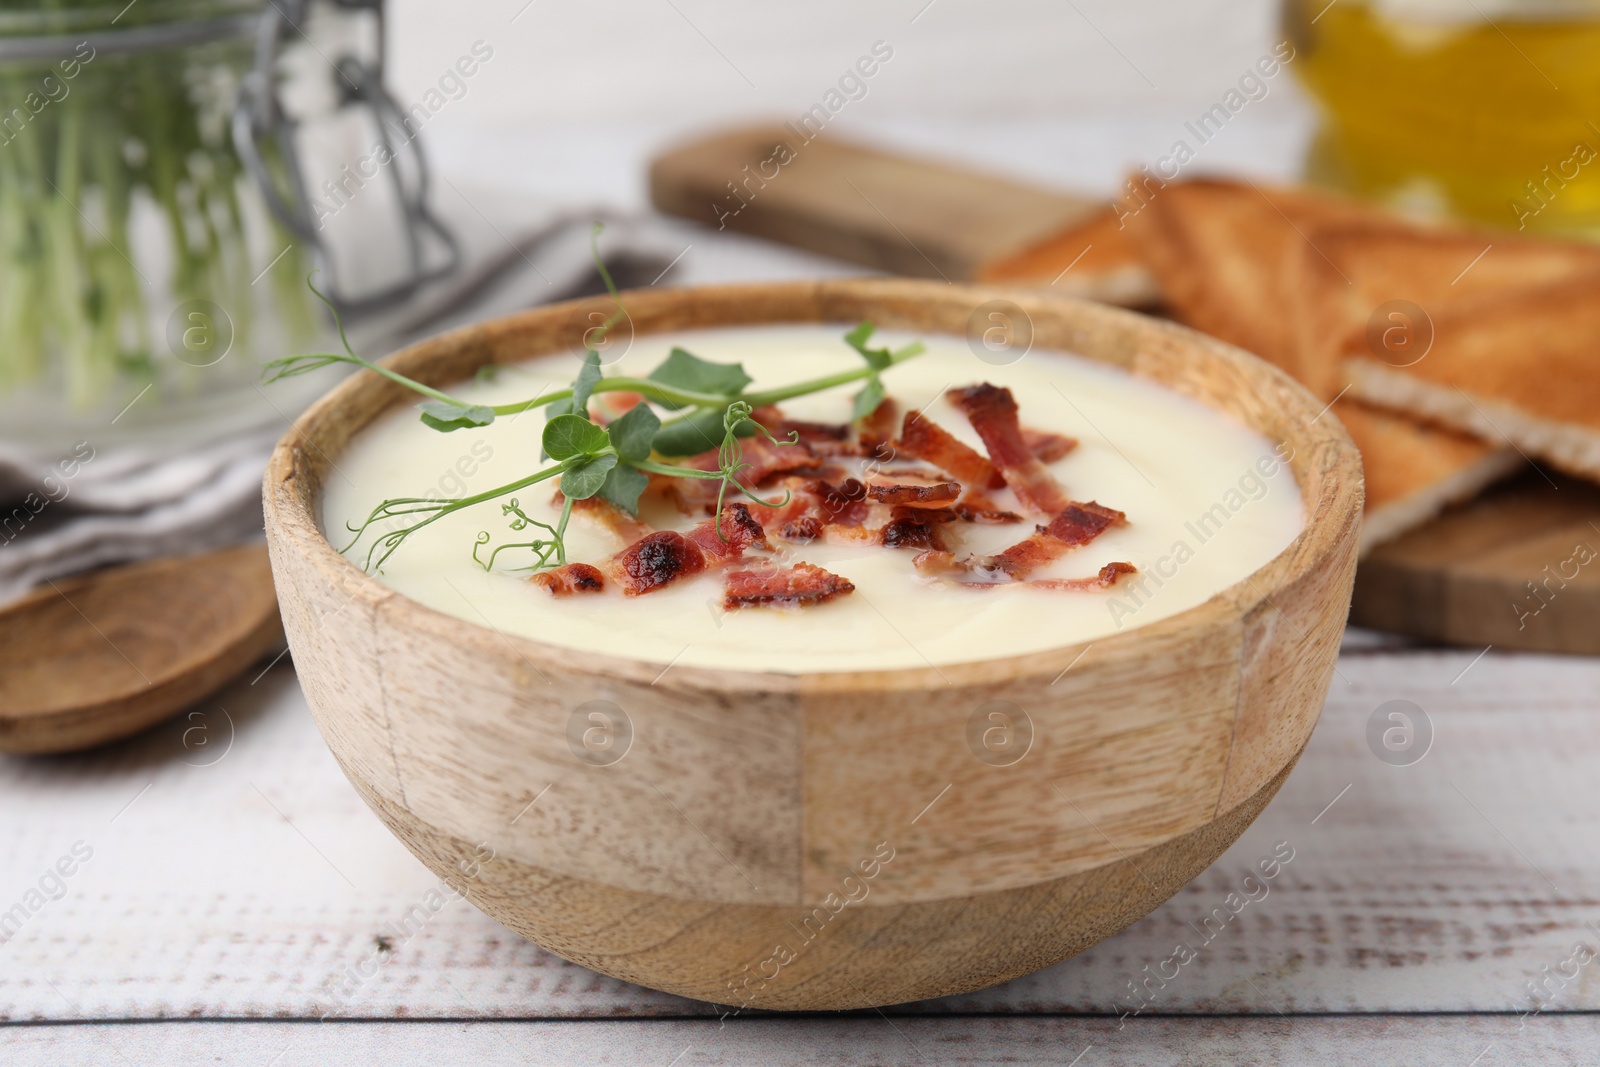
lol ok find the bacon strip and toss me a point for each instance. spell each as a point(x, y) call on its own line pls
point(761, 459)
point(877, 429)
point(799, 585)
point(988, 515)
point(652, 562)
point(815, 504)
point(823, 438)
point(726, 536)
point(927, 440)
point(914, 528)
point(1108, 576)
point(1077, 524)
point(570, 579)
point(915, 496)
point(608, 516)
point(1048, 447)
point(899, 472)
point(661, 558)
point(993, 413)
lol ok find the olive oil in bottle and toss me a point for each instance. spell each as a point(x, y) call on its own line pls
point(1487, 110)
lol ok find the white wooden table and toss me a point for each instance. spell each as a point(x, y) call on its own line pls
point(234, 874)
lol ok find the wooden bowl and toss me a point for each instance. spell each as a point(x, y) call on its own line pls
point(824, 840)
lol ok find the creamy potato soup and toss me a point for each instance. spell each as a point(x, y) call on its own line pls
point(1170, 502)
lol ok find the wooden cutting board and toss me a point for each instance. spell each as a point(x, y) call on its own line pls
point(891, 212)
point(1461, 579)
point(1518, 568)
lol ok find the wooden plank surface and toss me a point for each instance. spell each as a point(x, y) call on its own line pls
point(1249, 1041)
point(248, 880)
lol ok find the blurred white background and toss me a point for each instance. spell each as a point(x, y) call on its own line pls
point(1073, 92)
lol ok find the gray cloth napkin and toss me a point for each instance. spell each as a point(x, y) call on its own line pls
point(93, 507)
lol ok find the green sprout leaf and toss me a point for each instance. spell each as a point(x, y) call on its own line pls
point(582, 388)
point(623, 486)
point(566, 436)
point(634, 432)
point(867, 401)
point(684, 370)
point(444, 416)
point(700, 432)
point(877, 358)
point(587, 479)
point(583, 385)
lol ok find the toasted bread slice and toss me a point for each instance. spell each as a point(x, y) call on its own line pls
point(1225, 255)
point(1413, 471)
point(1095, 257)
point(1522, 367)
point(1246, 263)
point(1377, 290)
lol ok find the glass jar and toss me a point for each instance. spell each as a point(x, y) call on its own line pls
point(1484, 110)
point(154, 240)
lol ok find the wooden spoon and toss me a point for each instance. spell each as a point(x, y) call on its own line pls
point(100, 656)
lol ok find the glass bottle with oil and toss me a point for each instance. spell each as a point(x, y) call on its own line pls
point(1487, 110)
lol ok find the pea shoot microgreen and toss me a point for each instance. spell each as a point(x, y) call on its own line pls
point(709, 408)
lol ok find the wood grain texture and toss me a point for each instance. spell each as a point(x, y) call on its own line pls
point(896, 213)
point(1516, 568)
point(859, 956)
point(103, 655)
point(772, 792)
point(1248, 1041)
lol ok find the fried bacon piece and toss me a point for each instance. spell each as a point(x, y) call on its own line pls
point(761, 459)
point(916, 496)
point(661, 558)
point(798, 586)
point(608, 516)
point(928, 441)
point(899, 472)
point(1108, 576)
point(910, 527)
point(694, 497)
point(877, 429)
point(993, 413)
point(814, 505)
point(822, 438)
point(657, 560)
point(986, 514)
point(1076, 524)
point(726, 536)
point(570, 579)
point(1048, 447)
